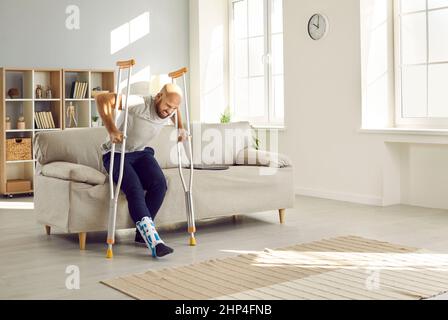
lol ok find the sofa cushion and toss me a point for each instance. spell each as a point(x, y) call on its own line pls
point(74, 172)
point(253, 157)
point(220, 144)
point(165, 147)
point(212, 144)
point(81, 146)
point(241, 189)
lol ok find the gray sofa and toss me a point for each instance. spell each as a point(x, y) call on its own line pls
point(72, 187)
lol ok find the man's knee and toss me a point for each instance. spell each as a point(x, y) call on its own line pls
point(161, 183)
point(133, 191)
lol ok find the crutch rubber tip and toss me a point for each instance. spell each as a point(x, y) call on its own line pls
point(192, 242)
point(109, 254)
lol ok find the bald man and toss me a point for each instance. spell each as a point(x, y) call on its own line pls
point(147, 116)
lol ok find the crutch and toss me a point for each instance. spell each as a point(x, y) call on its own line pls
point(122, 65)
point(188, 189)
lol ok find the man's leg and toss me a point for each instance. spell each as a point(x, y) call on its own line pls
point(154, 195)
point(153, 181)
point(134, 192)
point(130, 185)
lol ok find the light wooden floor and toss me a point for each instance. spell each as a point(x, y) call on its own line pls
point(33, 265)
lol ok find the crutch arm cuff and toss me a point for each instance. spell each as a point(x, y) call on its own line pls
point(126, 64)
point(179, 73)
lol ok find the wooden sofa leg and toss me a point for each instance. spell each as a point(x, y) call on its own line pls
point(82, 240)
point(48, 230)
point(282, 215)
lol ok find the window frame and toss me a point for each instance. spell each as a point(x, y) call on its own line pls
point(400, 120)
point(268, 120)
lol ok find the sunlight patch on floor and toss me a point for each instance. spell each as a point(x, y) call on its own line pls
point(348, 260)
point(17, 205)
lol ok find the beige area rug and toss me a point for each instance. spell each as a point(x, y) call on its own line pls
point(341, 268)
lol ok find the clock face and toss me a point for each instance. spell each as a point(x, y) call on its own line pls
point(317, 26)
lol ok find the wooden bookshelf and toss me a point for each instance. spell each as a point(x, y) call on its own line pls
point(27, 104)
point(85, 106)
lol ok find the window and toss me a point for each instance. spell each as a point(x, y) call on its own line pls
point(256, 61)
point(421, 53)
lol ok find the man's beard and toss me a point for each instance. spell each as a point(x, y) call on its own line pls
point(162, 116)
point(157, 104)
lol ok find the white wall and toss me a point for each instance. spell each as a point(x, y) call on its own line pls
point(323, 105)
point(425, 176)
point(34, 34)
point(323, 111)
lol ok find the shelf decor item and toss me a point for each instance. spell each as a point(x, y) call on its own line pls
point(49, 94)
point(95, 122)
point(95, 92)
point(18, 186)
point(18, 149)
point(39, 91)
point(14, 93)
point(21, 125)
point(71, 114)
point(8, 123)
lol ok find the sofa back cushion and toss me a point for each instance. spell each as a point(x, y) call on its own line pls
point(212, 144)
point(80, 146)
point(165, 148)
point(220, 144)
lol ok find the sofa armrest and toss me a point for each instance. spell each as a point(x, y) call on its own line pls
point(74, 172)
point(253, 157)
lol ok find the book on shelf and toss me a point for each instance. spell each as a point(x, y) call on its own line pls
point(37, 121)
point(79, 90)
point(44, 125)
point(44, 120)
point(48, 116)
point(41, 121)
point(75, 96)
point(84, 91)
point(53, 125)
point(78, 96)
point(72, 90)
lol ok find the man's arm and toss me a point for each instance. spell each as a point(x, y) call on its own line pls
point(106, 106)
point(179, 117)
point(183, 135)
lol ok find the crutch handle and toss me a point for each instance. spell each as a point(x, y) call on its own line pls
point(126, 64)
point(179, 73)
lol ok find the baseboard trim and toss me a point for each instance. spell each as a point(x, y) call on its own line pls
point(338, 196)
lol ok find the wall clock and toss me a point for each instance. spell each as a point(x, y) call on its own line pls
point(318, 26)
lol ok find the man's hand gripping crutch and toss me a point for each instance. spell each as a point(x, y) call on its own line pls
point(188, 189)
point(122, 65)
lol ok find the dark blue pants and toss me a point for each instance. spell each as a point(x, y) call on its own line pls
point(141, 173)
